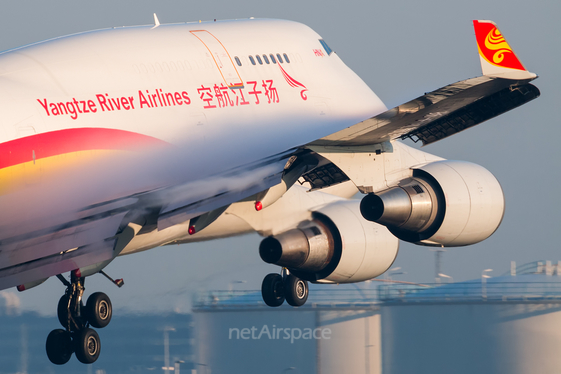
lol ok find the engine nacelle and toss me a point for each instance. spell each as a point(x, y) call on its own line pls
point(444, 203)
point(337, 246)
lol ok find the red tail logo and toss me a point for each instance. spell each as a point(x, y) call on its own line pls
point(493, 46)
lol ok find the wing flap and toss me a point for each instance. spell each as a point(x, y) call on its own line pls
point(23, 249)
point(474, 113)
point(56, 264)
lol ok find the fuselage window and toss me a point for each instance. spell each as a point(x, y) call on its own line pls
point(279, 57)
point(252, 60)
point(286, 58)
point(266, 59)
point(238, 61)
point(273, 58)
point(259, 59)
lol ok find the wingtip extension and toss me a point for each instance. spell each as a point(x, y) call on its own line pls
point(496, 56)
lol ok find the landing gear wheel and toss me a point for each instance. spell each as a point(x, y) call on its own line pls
point(272, 290)
point(295, 290)
point(99, 310)
point(62, 311)
point(87, 346)
point(59, 346)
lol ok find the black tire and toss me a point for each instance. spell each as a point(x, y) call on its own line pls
point(98, 310)
point(295, 290)
point(272, 290)
point(62, 311)
point(87, 346)
point(59, 346)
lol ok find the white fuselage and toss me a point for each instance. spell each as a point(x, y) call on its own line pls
point(180, 86)
point(119, 77)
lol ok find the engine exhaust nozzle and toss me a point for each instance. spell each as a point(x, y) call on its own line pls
point(308, 248)
point(410, 206)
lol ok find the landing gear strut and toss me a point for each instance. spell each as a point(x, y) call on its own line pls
point(77, 336)
point(276, 288)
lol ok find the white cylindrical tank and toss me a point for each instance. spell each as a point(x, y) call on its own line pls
point(355, 346)
point(507, 325)
point(340, 334)
point(230, 342)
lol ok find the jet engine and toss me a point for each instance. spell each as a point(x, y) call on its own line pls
point(444, 203)
point(337, 246)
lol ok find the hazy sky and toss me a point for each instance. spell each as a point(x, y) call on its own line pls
point(401, 49)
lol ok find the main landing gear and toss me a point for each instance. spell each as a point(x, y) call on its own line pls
point(76, 319)
point(276, 288)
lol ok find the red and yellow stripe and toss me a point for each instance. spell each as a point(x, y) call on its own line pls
point(25, 160)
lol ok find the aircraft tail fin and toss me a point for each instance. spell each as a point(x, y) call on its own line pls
point(497, 58)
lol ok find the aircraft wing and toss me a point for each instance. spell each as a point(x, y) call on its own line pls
point(452, 108)
point(90, 235)
point(58, 249)
point(438, 114)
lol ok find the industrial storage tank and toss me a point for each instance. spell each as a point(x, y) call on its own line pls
point(507, 324)
point(337, 331)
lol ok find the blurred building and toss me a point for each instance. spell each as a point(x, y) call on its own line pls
point(337, 331)
point(130, 344)
point(500, 324)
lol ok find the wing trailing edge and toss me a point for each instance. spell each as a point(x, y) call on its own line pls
point(438, 114)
